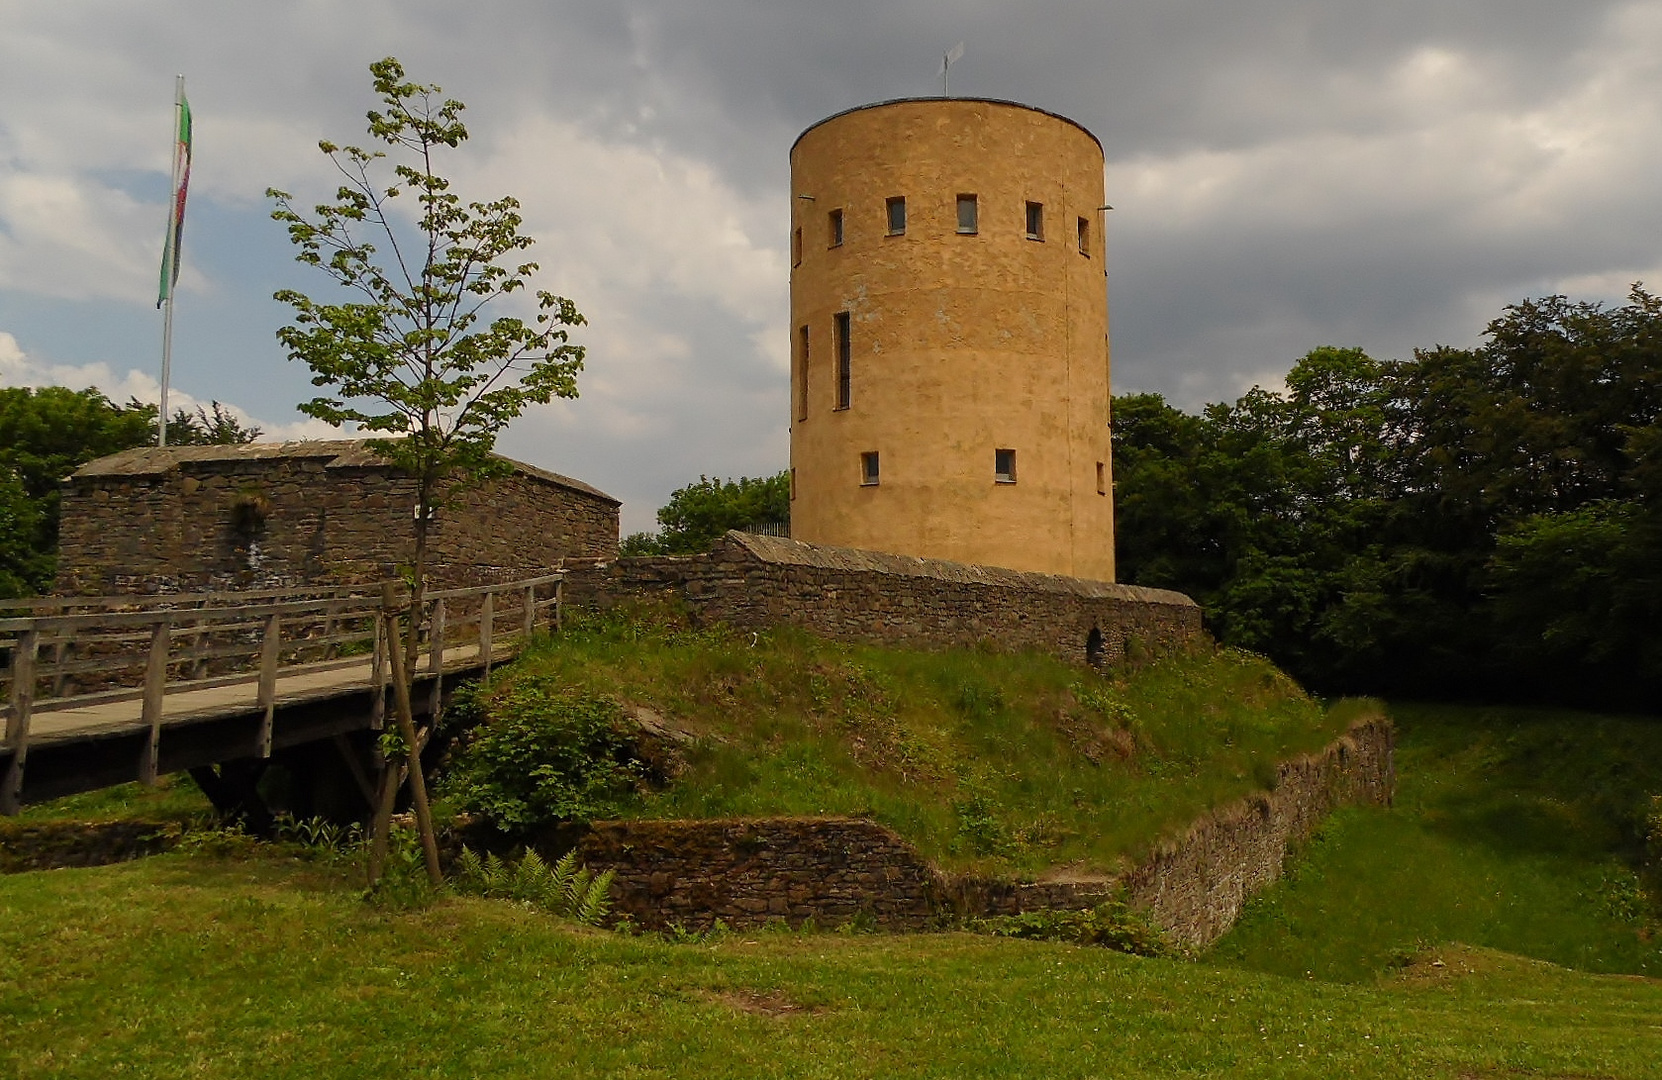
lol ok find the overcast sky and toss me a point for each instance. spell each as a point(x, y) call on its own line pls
point(1286, 174)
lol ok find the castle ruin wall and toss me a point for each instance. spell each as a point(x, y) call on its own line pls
point(833, 871)
point(756, 582)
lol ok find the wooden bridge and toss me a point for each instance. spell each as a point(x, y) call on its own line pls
point(104, 690)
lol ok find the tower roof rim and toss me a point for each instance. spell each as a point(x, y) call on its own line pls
point(937, 97)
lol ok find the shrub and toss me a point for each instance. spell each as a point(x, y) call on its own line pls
point(542, 753)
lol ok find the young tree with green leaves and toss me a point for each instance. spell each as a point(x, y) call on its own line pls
point(408, 350)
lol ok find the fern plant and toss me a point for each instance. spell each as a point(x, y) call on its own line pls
point(567, 888)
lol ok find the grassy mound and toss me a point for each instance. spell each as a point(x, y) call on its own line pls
point(1515, 829)
point(190, 965)
point(996, 762)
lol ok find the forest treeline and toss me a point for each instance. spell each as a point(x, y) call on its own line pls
point(48, 433)
point(1472, 522)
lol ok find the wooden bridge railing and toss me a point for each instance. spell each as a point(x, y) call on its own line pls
point(70, 653)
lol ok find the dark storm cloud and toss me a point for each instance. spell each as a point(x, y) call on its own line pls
point(1286, 174)
point(1200, 307)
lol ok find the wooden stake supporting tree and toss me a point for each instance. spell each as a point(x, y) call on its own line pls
point(418, 781)
point(406, 352)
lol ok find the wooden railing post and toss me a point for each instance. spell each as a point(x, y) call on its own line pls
point(560, 604)
point(270, 650)
point(155, 688)
point(198, 649)
point(17, 723)
point(63, 650)
point(530, 614)
point(487, 616)
point(435, 638)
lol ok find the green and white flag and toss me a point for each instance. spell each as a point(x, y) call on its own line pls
point(176, 210)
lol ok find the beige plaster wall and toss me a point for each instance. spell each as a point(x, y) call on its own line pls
point(961, 344)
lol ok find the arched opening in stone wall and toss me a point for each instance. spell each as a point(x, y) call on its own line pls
point(1093, 647)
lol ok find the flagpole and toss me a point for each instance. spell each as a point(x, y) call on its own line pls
point(170, 271)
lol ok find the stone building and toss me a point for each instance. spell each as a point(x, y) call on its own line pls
point(279, 515)
point(949, 314)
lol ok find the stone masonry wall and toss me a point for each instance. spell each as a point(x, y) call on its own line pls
point(834, 870)
point(1196, 886)
point(755, 582)
point(174, 530)
point(829, 870)
point(521, 526)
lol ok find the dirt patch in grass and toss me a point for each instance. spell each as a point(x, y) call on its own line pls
point(763, 1003)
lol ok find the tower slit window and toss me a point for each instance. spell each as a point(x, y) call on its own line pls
point(1035, 221)
point(845, 358)
point(1085, 237)
point(896, 207)
point(796, 248)
point(968, 218)
point(1102, 478)
point(868, 469)
point(802, 373)
point(834, 222)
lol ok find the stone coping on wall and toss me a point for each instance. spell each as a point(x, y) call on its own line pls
point(782, 552)
point(832, 870)
point(155, 461)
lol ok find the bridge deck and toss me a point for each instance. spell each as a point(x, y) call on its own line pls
point(183, 707)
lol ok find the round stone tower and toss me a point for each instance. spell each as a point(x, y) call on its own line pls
point(949, 336)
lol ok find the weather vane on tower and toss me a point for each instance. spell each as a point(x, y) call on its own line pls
point(955, 53)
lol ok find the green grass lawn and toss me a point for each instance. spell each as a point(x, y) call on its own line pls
point(1410, 942)
point(1010, 764)
point(193, 965)
point(1515, 829)
point(174, 797)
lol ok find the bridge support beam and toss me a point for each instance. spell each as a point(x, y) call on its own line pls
point(234, 790)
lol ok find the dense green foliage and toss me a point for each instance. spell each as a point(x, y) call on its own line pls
point(46, 434)
point(1007, 763)
point(697, 515)
point(546, 753)
point(272, 967)
point(1472, 521)
point(1515, 829)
